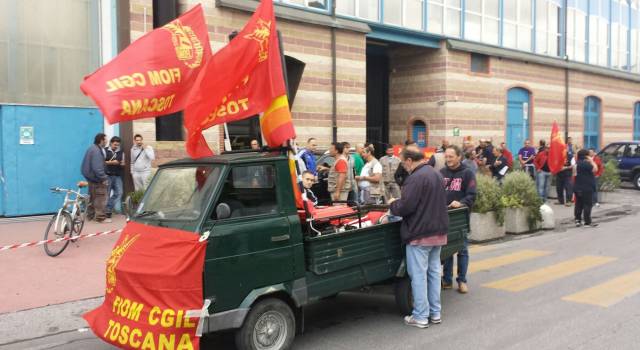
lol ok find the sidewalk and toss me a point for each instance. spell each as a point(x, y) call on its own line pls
point(30, 278)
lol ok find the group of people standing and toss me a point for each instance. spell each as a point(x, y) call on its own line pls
point(103, 168)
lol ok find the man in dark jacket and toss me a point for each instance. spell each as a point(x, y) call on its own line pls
point(93, 170)
point(425, 223)
point(460, 184)
point(114, 160)
point(401, 173)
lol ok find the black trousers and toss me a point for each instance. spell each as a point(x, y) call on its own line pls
point(564, 188)
point(584, 203)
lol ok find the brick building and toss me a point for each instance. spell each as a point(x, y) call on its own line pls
point(384, 71)
point(375, 70)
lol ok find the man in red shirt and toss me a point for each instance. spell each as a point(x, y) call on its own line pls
point(507, 154)
point(339, 184)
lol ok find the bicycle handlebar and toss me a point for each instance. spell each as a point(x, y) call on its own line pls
point(59, 189)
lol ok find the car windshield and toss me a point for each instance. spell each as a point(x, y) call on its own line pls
point(179, 193)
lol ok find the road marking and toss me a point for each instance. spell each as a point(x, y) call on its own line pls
point(490, 263)
point(550, 273)
point(482, 248)
point(610, 292)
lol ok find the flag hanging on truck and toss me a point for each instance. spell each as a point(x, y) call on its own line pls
point(153, 297)
point(242, 79)
point(557, 151)
point(152, 76)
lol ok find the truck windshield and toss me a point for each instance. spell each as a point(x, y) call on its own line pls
point(179, 193)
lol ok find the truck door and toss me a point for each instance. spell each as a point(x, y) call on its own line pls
point(250, 247)
point(630, 160)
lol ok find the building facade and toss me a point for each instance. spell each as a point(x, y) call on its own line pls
point(374, 70)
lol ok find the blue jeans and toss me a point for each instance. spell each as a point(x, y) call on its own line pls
point(543, 179)
point(463, 265)
point(423, 265)
point(114, 191)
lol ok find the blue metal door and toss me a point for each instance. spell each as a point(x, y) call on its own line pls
point(52, 157)
point(419, 133)
point(636, 122)
point(518, 108)
point(592, 122)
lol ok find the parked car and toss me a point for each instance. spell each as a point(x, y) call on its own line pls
point(627, 154)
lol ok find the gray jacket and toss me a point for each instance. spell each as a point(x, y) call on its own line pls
point(93, 165)
point(141, 163)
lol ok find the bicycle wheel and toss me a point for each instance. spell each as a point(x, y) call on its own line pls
point(79, 218)
point(60, 226)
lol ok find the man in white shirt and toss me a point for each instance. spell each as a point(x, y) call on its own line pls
point(141, 158)
point(370, 179)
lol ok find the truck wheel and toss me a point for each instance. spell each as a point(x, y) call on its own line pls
point(270, 325)
point(636, 181)
point(404, 297)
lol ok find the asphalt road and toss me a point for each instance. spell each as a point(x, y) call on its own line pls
point(572, 289)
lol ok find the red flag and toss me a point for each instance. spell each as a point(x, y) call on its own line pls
point(240, 80)
point(154, 289)
point(557, 151)
point(153, 75)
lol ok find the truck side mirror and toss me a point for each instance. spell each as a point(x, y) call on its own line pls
point(223, 211)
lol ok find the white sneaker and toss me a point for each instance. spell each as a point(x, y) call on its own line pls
point(105, 221)
point(410, 321)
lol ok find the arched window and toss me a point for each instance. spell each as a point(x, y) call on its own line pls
point(518, 111)
point(636, 122)
point(592, 113)
point(419, 133)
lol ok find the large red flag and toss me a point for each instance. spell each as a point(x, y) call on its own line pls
point(154, 294)
point(242, 79)
point(153, 75)
point(557, 151)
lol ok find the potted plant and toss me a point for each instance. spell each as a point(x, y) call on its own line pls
point(130, 204)
point(487, 215)
point(521, 202)
point(609, 181)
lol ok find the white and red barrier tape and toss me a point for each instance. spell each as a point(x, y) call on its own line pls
point(39, 243)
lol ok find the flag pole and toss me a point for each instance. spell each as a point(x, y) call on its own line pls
point(227, 139)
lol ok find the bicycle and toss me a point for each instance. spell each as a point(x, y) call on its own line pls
point(68, 221)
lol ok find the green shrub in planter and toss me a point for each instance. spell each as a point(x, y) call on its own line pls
point(488, 197)
point(519, 191)
point(136, 197)
point(610, 178)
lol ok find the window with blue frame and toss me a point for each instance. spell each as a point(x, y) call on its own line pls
point(548, 27)
point(592, 117)
point(517, 24)
point(444, 17)
point(619, 34)
point(577, 29)
point(405, 13)
point(635, 37)
point(636, 122)
point(315, 4)
point(482, 21)
point(599, 32)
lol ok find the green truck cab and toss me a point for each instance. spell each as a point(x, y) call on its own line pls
point(263, 263)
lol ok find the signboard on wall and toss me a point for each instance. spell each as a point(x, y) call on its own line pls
point(26, 135)
point(456, 131)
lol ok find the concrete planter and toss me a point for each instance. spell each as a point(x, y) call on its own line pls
point(604, 197)
point(515, 220)
point(484, 227)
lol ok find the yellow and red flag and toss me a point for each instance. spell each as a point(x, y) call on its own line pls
point(152, 76)
point(153, 297)
point(243, 79)
point(557, 151)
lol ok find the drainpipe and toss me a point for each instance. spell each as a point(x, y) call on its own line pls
point(566, 74)
point(334, 89)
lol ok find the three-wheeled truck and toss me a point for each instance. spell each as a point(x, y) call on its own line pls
point(265, 259)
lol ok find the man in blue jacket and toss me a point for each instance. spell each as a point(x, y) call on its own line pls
point(425, 223)
point(307, 156)
point(460, 184)
point(93, 171)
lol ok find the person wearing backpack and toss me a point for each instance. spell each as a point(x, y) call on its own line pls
point(141, 158)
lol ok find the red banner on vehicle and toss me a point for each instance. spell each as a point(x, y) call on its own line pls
point(152, 76)
point(243, 79)
point(153, 297)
